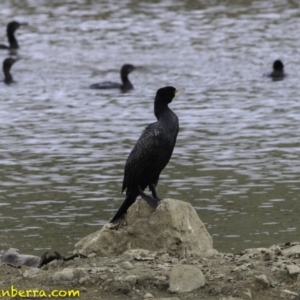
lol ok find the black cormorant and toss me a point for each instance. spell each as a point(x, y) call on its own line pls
point(125, 85)
point(151, 153)
point(7, 63)
point(10, 33)
point(278, 72)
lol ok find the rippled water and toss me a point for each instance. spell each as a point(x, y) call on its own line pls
point(63, 146)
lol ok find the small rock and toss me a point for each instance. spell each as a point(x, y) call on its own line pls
point(131, 279)
point(83, 289)
point(119, 286)
point(65, 275)
point(165, 257)
point(293, 270)
point(148, 295)
point(84, 279)
point(263, 253)
point(54, 263)
point(31, 272)
point(227, 289)
point(208, 254)
point(92, 255)
point(231, 298)
point(145, 278)
point(247, 292)
point(254, 251)
point(185, 278)
point(287, 293)
point(127, 265)
point(103, 277)
point(263, 280)
point(161, 278)
point(279, 264)
point(243, 267)
point(136, 253)
point(243, 259)
point(268, 255)
point(173, 298)
point(274, 269)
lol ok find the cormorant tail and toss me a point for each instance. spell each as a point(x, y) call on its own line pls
point(129, 200)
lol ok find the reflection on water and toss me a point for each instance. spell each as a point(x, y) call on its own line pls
point(63, 146)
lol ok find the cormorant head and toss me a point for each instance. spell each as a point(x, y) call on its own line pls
point(13, 26)
point(278, 65)
point(165, 94)
point(126, 69)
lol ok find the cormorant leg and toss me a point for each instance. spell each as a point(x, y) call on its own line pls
point(153, 191)
point(150, 200)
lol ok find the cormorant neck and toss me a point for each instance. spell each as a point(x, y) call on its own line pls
point(126, 84)
point(7, 77)
point(13, 43)
point(161, 109)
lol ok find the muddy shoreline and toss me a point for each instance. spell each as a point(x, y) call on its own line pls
point(162, 253)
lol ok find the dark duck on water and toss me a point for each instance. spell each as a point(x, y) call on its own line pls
point(278, 70)
point(10, 33)
point(126, 85)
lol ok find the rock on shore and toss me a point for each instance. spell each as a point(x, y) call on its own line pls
point(173, 227)
point(14, 258)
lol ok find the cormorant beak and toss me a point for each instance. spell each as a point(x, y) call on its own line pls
point(23, 24)
point(179, 91)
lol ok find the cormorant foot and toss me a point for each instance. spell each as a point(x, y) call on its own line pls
point(153, 191)
point(150, 200)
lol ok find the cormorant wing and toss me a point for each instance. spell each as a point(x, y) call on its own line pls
point(106, 85)
point(142, 157)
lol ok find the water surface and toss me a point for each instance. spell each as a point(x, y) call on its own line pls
point(63, 146)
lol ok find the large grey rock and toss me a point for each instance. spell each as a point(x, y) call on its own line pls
point(185, 278)
point(294, 250)
point(293, 270)
point(14, 258)
point(173, 227)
